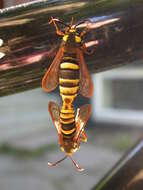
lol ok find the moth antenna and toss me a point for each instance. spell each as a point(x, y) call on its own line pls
point(71, 22)
point(56, 163)
point(57, 20)
point(79, 169)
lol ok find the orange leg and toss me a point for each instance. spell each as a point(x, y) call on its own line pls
point(83, 137)
point(60, 33)
point(85, 50)
point(84, 32)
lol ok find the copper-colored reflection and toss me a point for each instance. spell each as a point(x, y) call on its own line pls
point(138, 177)
point(1, 4)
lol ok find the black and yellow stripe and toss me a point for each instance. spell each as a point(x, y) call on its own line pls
point(69, 86)
point(67, 121)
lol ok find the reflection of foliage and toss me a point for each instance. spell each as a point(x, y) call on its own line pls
point(124, 143)
point(121, 142)
point(26, 153)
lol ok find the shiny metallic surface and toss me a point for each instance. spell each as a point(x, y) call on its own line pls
point(1, 4)
point(30, 43)
point(127, 174)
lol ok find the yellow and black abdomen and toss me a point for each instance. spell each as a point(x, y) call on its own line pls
point(69, 86)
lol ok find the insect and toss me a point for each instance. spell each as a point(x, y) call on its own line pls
point(69, 70)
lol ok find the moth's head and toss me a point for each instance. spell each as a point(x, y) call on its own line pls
point(72, 35)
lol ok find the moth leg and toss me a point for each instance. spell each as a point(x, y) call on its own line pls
point(60, 33)
point(84, 32)
point(84, 48)
point(83, 137)
point(81, 119)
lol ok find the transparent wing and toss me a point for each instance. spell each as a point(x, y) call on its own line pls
point(86, 86)
point(50, 79)
point(54, 111)
point(81, 119)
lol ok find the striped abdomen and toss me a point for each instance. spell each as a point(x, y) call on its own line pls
point(69, 86)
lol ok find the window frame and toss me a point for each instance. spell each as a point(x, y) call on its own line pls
point(112, 115)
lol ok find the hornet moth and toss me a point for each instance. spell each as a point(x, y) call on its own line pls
point(69, 70)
